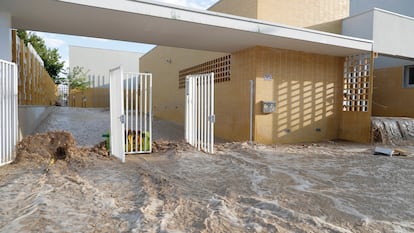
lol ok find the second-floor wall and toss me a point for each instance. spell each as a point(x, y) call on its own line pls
point(298, 13)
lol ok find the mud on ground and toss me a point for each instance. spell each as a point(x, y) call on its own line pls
point(316, 187)
point(324, 187)
point(45, 149)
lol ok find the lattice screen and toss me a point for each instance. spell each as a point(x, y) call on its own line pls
point(220, 67)
point(357, 72)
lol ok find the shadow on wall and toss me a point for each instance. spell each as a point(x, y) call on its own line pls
point(307, 91)
point(306, 111)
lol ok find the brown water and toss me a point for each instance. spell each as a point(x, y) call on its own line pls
point(393, 130)
point(324, 187)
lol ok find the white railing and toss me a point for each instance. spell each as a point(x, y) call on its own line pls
point(199, 111)
point(8, 112)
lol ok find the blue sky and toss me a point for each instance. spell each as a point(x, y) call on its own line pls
point(62, 42)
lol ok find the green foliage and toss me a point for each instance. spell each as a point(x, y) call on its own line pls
point(76, 78)
point(49, 56)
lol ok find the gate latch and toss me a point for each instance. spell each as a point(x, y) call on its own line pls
point(122, 119)
point(212, 118)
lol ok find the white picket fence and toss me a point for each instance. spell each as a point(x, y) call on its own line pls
point(8, 112)
point(199, 111)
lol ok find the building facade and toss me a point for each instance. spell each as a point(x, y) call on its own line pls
point(306, 87)
point(97, 63)
point(317, 96)
point(393, 75)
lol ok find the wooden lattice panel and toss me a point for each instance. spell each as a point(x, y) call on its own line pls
point(220, 67)
point(357, 72)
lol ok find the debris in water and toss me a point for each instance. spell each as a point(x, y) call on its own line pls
point(401, 152)
point(390, 152)
point(393, 130)
point(383, 151)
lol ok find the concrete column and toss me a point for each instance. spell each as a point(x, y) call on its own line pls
point(5, 36)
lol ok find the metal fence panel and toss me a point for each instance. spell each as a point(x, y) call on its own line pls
point(138, 113)
point(8, 112)
point(199, 111)
point(131, 113)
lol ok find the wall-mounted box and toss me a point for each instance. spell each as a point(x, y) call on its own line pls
point(268, 106)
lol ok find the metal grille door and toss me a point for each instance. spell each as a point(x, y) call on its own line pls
point(8, 112)
point(138, 112)
point(131, 113)
point(199, 111)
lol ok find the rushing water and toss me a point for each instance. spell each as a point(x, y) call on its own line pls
point(319, 187)
point(393, 130)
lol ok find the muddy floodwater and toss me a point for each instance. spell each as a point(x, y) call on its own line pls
point(315, 187)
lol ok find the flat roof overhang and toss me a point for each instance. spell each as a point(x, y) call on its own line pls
point(392, 34)
point(162, 24)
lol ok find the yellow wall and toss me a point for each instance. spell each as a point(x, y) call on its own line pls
point(232, 99)
point(390, 97)
point(332, 27)
point(299, 13)
point(168, 99)
point(245, 8)
point(302, 13)
point(355, 126)
point(307, 90)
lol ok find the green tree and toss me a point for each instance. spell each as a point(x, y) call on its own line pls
point(49, 56)
point(76, 78)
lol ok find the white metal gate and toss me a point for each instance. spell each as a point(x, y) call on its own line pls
point(117, 136)
point(8, 112)
point(199, 111)
point(138, 113)
point(131, 113)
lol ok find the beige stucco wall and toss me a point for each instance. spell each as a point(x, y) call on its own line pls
point(302, 13)
point(245, 8)
point(390, 97)
point(97, 62)
point(332, 27)
point(307, 90)
point(164, 63)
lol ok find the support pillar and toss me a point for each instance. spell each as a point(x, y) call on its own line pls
point(5, 36)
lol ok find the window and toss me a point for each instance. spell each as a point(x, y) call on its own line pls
point(409, 76)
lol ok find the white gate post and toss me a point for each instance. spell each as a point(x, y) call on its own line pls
point(212, 115)
point(117, 135)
